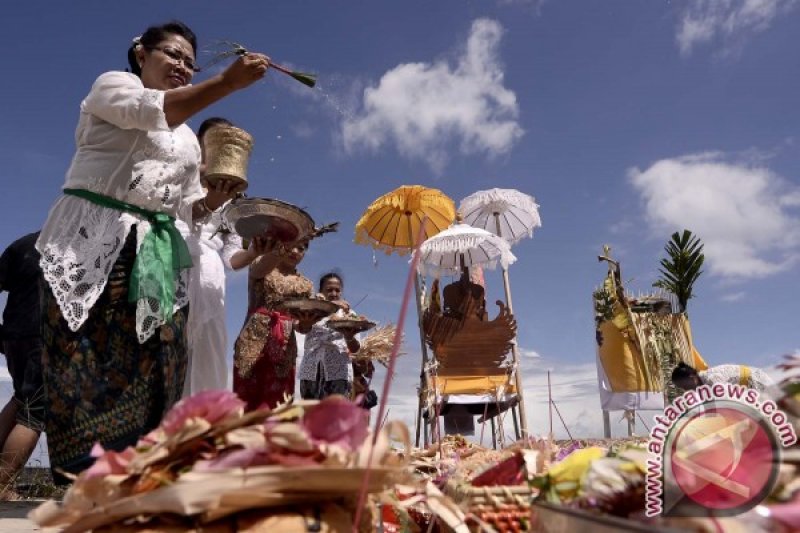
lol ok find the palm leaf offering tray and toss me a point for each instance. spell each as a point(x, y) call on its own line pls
point(209, 460)
point(308, 308)
point(256, 217)
point(350, 323)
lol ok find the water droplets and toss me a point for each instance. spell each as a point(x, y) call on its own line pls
point(334, 103)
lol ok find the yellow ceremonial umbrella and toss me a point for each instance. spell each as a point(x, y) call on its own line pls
point(393, 223)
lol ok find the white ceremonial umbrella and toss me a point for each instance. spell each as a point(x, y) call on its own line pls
point(508, 213)
point(462, 245)
point(512, 215)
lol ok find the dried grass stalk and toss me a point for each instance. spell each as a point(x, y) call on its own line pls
point(377, 346)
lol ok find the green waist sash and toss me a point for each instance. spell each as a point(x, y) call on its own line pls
point(161, 257)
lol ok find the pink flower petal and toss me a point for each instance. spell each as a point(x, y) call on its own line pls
point(97, 450)
point(109, 462)
point(336, 420)
point(212, 406)
point(787, 513)
point(240, 458)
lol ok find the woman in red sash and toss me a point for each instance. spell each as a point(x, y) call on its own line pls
point(265, 355)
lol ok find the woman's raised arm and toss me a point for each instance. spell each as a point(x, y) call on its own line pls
point(182, 103)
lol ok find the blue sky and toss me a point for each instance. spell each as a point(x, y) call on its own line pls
point(627, 120)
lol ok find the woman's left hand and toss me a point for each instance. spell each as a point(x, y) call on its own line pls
point(222, 192)
point(260, 245)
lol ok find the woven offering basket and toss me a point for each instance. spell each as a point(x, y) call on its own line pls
point(505, 508)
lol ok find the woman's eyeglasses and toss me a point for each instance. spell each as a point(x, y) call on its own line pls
point(178, 57)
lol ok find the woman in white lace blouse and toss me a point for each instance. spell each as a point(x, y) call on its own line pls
point(115, 299)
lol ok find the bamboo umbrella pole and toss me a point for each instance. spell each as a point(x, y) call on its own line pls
point(423, 348)
point(550, 401)
point(514, 351)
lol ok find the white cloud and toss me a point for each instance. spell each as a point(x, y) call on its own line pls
point(576, 397)
point(729, 22)
point(529, 353)
point(733, 297)
point(736, 209)
point(421, 108)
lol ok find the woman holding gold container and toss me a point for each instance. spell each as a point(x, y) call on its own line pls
point(115, 300)
point(213, 249)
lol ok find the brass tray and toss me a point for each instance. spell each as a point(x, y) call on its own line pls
point(308, 308)
point(255, 217)
point(350, 324)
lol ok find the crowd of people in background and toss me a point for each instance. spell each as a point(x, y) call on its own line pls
point(115, 308)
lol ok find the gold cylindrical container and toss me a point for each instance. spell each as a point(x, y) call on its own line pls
point(227, 151)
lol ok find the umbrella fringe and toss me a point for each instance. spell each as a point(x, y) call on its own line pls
point(435, 270)
point(363, 237)
point(463, 239)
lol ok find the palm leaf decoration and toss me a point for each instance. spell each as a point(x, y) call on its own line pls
point(682, 266)
point(309, 80)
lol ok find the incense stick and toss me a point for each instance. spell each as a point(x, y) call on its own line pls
point(412, 271)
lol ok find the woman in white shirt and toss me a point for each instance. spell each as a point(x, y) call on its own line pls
point(115, 299)
point(327, 366)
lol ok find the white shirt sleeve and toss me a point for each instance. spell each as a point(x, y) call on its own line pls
point(231, 243)
point(120, 99)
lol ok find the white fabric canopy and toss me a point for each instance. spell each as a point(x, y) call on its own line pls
point(516, 212)
point(463, 245)
point(625, 401)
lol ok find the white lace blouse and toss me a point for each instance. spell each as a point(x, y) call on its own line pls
point(125, 150)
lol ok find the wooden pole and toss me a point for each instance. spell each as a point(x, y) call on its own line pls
point(424, 350)
point(423, 346)
point(606, 425)
point(550, 400)
point(514, 352)
point(562, 419)
point(643, 422)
